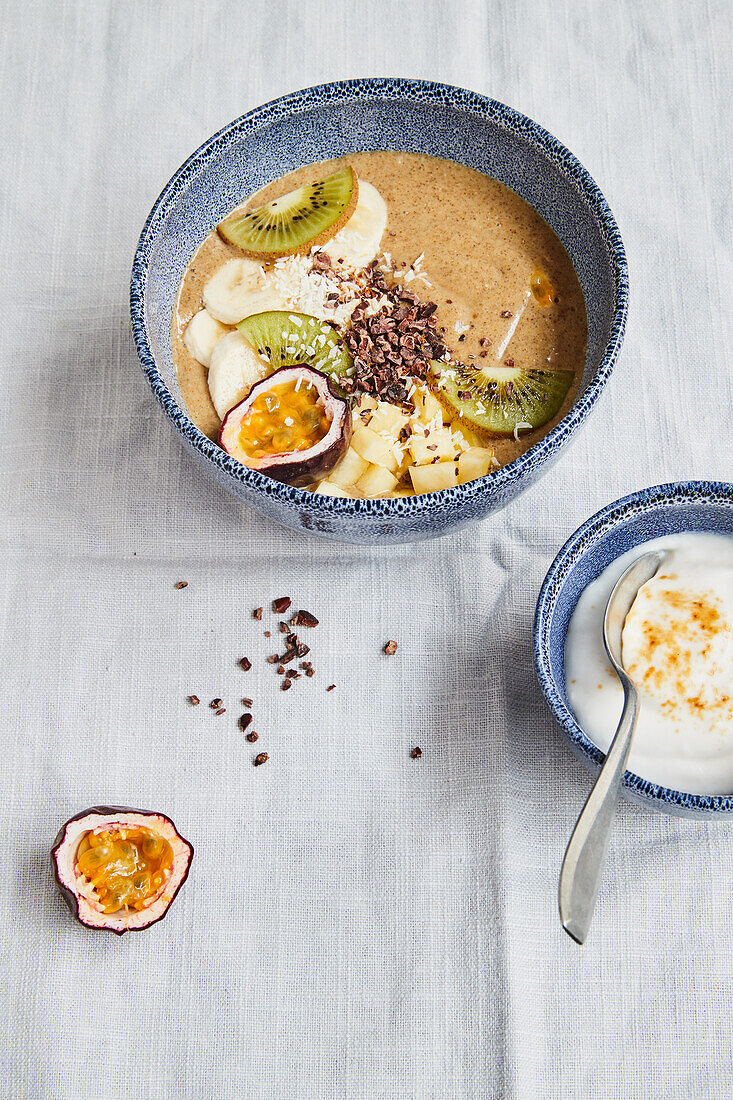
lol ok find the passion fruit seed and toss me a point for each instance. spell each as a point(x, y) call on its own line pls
point(121, 892)
point(153, 846)
point(541, 287)
point(122, 867)
point(83, 845)
point(91, 860)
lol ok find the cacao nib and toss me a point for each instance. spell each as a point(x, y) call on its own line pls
point(304, 618)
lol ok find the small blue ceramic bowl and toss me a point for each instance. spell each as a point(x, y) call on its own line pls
point(329, 121)
point(629, 522)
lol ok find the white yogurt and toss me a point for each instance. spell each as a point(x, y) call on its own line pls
point(677, 646)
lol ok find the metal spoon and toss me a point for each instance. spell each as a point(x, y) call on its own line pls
point(580, 875)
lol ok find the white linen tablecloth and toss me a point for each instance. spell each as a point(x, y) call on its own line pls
point(356, 923)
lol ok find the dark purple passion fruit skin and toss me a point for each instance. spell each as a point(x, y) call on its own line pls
point(70, 897)
point(295, 471)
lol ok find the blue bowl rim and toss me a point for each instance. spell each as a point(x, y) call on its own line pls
point(699, 493)
point(386, 88)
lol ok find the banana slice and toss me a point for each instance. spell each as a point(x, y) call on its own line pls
point(238, 289)
point(235, 367)
point(203, 333)
point(358, 242)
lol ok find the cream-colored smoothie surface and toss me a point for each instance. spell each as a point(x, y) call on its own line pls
point(480, 244)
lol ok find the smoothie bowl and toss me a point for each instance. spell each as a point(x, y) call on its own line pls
point(378, 309)
point(677, 644)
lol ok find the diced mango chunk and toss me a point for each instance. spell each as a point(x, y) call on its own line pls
point(465, 436)
point(429, 479)
point(474, 463)
point(330, 489)
point(374, 448)
point(349, 470)
point(388, 420)
point(424, 448)
point(376, 482)
point(427, 405)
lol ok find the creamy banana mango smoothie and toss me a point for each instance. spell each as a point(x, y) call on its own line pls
point(381, 325)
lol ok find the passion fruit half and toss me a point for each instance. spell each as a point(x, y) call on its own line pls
point(292, 426)
point(119, 869)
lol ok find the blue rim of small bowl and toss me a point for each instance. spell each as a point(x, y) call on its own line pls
point(387, 88)
point(698, 492)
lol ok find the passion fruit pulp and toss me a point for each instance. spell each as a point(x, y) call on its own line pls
point(119, 869)
point(292, 426)
point(126, 865)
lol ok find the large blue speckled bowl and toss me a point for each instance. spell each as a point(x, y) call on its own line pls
point(629, 522)
point(378, 113)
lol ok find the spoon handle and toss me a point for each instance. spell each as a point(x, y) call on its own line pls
point(581, 868)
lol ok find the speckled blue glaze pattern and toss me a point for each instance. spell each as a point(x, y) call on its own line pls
point(623, 525)
point(349, 116)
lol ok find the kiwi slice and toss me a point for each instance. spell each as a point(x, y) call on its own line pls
point(308, 216)
point(293, 339)
point(498, 399)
